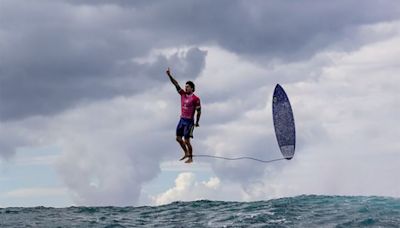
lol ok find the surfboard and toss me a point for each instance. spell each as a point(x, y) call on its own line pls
point(282, 114)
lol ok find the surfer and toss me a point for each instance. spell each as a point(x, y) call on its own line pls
point(190, 103)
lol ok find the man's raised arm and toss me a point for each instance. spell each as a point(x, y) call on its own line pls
point(173, 80)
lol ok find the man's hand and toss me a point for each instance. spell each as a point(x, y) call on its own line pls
point(168, 72)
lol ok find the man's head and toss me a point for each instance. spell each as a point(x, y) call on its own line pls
point(189, 87)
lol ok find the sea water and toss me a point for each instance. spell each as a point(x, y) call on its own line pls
point(299, 211)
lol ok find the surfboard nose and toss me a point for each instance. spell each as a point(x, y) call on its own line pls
point(279, 94)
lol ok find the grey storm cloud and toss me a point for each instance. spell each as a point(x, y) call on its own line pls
point(56, 54)
point(282, 29)
point(52, 59)
point(39, 91)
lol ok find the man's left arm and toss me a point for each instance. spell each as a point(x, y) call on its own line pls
point(198, 110)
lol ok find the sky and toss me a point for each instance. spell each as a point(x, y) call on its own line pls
point(88, 115)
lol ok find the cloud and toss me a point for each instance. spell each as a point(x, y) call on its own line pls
point(19, 134)
point(345, 119)
point(114, 154)
point(274, 28)
point(59, 54)
point(16, 132)
point(50, 67)
point(187, 188)
point(238, 116)
point(107, 147)
point(345, 106)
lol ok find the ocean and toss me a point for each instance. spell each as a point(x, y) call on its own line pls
point(299, 211)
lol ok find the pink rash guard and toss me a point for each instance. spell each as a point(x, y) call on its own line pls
point(189, 103)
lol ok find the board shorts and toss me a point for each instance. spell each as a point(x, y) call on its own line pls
point(185, 128)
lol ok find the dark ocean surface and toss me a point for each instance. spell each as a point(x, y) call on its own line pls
point(300, 211)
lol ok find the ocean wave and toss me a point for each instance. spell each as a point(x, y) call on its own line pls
point(299, 211)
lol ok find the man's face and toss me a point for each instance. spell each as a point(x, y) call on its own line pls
point(188, 89)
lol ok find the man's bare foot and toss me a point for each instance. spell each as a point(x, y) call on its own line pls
point(190, 160)
point(184, 156)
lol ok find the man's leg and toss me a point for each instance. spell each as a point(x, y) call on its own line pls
point(183, 145)
point(190, 150)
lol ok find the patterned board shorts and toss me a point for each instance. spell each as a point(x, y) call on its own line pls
point(185, 128)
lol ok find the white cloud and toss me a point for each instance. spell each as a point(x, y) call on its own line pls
point(187, 188)
point(109, 147)
point(213, 183)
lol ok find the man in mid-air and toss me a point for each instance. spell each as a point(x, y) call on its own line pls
point(190, 104)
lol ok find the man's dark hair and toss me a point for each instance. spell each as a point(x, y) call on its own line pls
point(191, 84)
